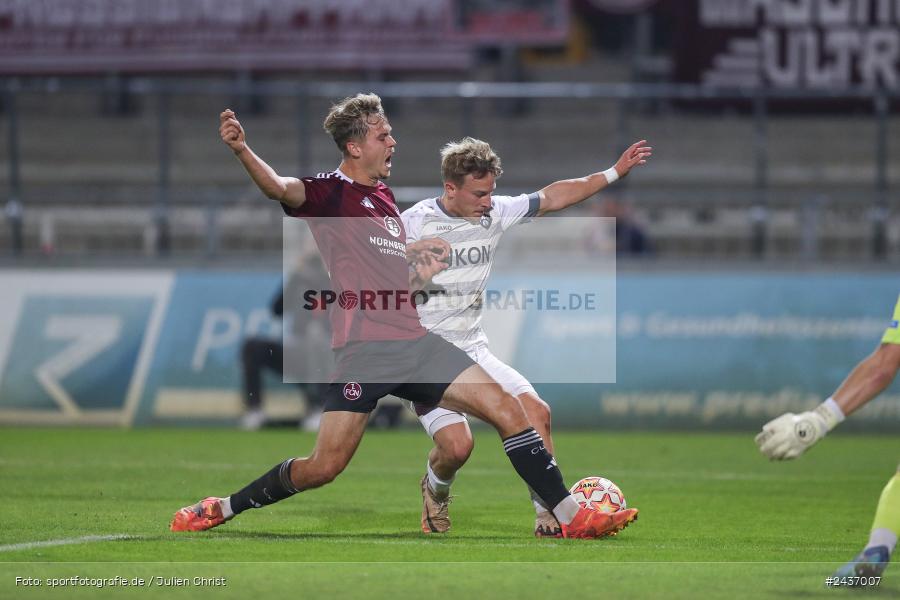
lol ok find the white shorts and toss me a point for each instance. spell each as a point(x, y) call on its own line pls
point(511, 380)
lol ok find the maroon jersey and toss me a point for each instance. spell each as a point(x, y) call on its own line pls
point(360, 235)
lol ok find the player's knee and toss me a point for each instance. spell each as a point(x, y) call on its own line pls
point(453, 444)
point(331, 469)
point(510, 409)
point(541, 411)
point(318, 471)
point(458, 450)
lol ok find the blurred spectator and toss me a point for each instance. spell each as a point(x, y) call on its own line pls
point(307, 328)
point(630, 238)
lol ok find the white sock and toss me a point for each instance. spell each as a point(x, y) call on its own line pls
point(539, 505)
point(226, 507)
point(440, 487)
point(565, 510)
point(882, 537)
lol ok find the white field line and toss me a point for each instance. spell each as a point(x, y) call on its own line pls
point(690, 476)
point(462, 543)
point(85, 539)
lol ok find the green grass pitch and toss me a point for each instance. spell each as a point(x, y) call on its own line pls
point(717, 520)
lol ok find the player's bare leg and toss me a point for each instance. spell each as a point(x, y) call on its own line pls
point(538, 413)
point(339, 435)
point(452, 446)
point(475, 393)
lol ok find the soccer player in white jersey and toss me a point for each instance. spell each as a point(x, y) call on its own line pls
point(790, 435)
point(469, 216)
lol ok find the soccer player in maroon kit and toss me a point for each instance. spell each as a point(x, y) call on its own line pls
point(380, 346)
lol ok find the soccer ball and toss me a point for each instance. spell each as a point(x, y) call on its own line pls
point(600, 492)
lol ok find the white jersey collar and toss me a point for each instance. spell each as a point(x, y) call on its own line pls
point(342, 175)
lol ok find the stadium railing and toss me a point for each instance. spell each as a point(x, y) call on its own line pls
point(725, 183)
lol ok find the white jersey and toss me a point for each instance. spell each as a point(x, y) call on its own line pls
point(456, 314)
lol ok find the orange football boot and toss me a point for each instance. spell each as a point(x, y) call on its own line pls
point(591, 523)
point(204, 515)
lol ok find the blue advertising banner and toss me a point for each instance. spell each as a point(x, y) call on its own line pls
point(693, 350)
point(76, 346)
point(735, 350)
point(196, 370)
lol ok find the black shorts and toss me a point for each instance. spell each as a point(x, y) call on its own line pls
point(417, 370)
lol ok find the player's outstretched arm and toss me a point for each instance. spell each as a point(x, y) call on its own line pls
point(288, 190)
point(563, 194)
point(869, 378)
point(791, 435)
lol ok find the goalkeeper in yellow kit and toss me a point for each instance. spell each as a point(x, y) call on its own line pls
point(791, 435)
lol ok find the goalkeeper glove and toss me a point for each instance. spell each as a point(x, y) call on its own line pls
point(791, 435)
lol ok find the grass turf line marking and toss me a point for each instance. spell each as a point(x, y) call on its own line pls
point(708, 475)
point(85, 539)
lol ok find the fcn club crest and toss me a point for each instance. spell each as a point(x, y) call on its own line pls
point(352, 391)
point(393, 227)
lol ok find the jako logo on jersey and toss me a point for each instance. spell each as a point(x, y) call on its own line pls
point(352, 391)
point(393, 227)
point(367, 203)
point(474, 255)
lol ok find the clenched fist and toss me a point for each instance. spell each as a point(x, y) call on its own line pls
point(791, 435)
point(231, 131)
point(426, 259)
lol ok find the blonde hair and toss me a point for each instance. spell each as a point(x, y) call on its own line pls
point(468, 156)
point(350, 119)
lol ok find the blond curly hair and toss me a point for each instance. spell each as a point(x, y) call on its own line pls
point(350, 119)
point(468, 156)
